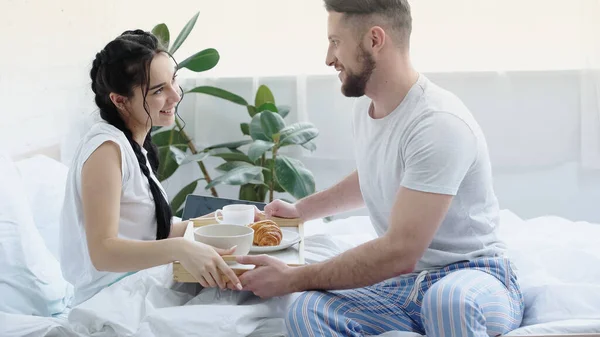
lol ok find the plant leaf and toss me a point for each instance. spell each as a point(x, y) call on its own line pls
point(251, 110)
point(295, 127)
point(168, 165)
point(177, 154)
point(161, 31)
point(220, 93)
point(293, 177)
point(271, 123)
point(179, 199)
point(258, 148)
point(230, 165)
point(201, 61)
point(310, 146)
point(256, 131)
point(179, 213)
point(169, 137)
point(184, 34)
point(238, 176)
point(263, 95)
point(283, 110)
point(245, 127)
point(233, 156)
point(230, 145)
point(267, 107)
point(249, 192)
point(236, 151)
point(195, 158)
point(299, 137)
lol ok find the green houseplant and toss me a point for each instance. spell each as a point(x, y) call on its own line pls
point(259, 172)
point(262, 170)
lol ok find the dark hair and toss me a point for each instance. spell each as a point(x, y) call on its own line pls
point(120, 67)
point(398, 13)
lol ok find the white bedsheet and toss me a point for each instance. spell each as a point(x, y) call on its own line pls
point(150, 304)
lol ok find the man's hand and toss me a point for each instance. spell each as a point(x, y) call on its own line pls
point(270, 278)
point(277, 208)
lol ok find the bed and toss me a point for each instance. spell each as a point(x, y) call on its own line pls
point(558, 262)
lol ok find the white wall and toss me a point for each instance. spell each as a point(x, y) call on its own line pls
point(48, 47)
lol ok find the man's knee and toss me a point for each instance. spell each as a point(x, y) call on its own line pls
point(300, 314)
point(294, 314)
point(447, 300)
point(458, 302)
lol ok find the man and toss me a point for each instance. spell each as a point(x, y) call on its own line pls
point(424, 173)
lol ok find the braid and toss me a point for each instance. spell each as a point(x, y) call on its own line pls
point(152, 153)
point(123, 64)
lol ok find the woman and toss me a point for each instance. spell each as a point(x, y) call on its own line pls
point(116, 219)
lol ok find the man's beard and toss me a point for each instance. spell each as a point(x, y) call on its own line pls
point(355, 84)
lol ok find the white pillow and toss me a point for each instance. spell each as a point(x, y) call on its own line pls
point(31, 282)
point(44, 180)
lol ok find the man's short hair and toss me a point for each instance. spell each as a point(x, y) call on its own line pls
point(397, 14)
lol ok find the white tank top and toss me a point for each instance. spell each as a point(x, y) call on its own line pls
point(137, 219)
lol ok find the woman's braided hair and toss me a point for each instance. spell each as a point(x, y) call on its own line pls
point(120, 67)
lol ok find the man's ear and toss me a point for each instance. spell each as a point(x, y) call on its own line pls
point(118, 100)
point(377, 38)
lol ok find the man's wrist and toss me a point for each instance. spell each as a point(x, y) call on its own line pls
point(301, 211)
point(297, 279)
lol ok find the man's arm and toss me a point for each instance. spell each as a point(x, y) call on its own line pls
point(341, 197)
point(440, 151)
point(415, 218)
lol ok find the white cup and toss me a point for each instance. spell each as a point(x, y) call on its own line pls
point(235, 215)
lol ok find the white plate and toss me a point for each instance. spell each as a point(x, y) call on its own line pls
point(289, 239)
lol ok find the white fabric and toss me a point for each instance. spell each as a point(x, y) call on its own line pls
point(45, 188)
point(155, 306)
point(558, 267)
point(137, 220)
point(430, 143)
point(30, 277)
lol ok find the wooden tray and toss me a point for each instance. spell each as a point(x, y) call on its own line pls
point(293, 256)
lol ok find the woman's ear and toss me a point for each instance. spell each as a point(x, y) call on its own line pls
point(118, 100)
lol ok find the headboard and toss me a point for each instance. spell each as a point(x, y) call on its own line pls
point(52, 151)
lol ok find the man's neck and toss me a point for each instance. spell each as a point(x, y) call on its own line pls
point(389, 86)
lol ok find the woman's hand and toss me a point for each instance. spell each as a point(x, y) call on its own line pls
point(206, 265)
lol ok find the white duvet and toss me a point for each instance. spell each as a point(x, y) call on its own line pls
point(558, 261)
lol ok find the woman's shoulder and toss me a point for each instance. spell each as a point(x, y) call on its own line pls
point(101, 132)
point(98, 134)
point(104, 129)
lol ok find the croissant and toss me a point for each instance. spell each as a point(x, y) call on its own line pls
point(266, 233)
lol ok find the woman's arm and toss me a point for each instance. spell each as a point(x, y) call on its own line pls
point(101, 194)
point(178, 229)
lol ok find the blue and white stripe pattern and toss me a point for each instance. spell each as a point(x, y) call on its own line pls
point(472, 298)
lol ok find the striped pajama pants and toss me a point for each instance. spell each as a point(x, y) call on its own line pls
point(473, 298)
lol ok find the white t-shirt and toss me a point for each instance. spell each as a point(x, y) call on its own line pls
point(137, 219)
point(430, 143)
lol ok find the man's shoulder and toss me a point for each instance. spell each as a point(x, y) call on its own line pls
point(438, 99)
point(439, 107)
